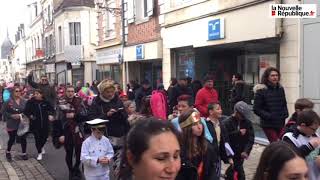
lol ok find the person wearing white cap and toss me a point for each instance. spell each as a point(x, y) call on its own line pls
point(96, 152)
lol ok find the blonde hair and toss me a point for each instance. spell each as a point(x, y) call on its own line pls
point(106, 84)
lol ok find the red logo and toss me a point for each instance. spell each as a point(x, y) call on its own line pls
point(311, 13)
point(273, 13)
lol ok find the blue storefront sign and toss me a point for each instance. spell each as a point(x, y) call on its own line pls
point(140, 51)
point(216, 29)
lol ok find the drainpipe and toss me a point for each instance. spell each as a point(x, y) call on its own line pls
point(125, 65)
point(281, 31)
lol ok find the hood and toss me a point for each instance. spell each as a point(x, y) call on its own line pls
point(240, 82)
point(259, 87)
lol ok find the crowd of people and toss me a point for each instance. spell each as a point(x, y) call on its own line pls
point(180, 133)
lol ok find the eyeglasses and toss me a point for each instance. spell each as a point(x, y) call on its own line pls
point(314, 129)
point(44, 79)
point(17, 91)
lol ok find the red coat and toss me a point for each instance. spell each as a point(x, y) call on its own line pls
point(204, 97)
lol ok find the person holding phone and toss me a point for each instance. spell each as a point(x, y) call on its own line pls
point(108, 106)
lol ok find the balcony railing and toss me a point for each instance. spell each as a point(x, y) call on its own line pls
point(73, 53)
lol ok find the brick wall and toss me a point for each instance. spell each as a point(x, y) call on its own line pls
point(101, 29)
point(145, 32)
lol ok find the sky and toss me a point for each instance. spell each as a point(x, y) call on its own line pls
point(12, 13)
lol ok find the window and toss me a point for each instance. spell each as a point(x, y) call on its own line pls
point(110, 21)
point(36, 9)
point(38, 40)
point(32, 48)
point(51, 48)
point(60, 39)
point(75, 33)
point(143, 9)
point(47, 46)
point(49, 14)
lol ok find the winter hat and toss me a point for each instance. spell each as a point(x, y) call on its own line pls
point(243, 108)
point(106, 84)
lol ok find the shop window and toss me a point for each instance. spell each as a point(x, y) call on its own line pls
point(253, 66)
point(109, 72)
point(77, 75)
point(185, 64)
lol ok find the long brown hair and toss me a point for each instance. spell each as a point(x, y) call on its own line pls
point(192, 147)
point(266, 74)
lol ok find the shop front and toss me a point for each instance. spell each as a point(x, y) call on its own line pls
point(222, 46)
point(109, 64)
point(144, 62)
point(38, 69)
point(61, 73)
point(50, 72)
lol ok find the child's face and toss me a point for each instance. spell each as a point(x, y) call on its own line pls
point(216, 111)
point(309, 130)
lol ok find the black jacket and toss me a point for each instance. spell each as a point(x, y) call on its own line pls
point(219, 148)
point(241, 91)
point(139, 94)
point(40, 111)
point(118, 124)
point(188, 170)
point(238, 142)
point(306, 148)
point(177, 91)
point(270, 105)
point(48, 91)
point(63, 126)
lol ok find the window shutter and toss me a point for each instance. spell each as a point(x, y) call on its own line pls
point(130, 11)
point(150, 6)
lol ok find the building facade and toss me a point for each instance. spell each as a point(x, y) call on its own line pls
point(48, 39)
point(307, 34)
point(225, 37)
point(143, 47)
point(110, 44)
point(75, 40)
point(18, 56)
point(35, 51)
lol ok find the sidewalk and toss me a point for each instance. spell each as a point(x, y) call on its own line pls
point(250, 165)
point(19, 169)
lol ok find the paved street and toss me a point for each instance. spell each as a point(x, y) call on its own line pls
point(51, 167)
point(251, 164)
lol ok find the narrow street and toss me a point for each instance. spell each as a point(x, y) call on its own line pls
point(53, 160)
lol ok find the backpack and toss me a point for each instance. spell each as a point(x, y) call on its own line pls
point(158, 104)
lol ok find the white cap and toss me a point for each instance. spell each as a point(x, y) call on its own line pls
point(96, 122)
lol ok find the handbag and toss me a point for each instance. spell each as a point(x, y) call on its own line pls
point(24, 125)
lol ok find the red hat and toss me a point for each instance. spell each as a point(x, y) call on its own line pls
point(123, 94)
